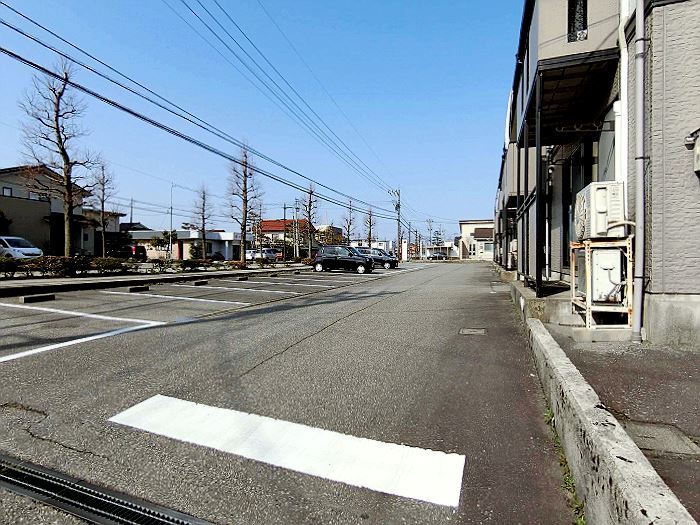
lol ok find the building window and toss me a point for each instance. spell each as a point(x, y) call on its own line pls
point(488, 246)
point(34, 195)
point(6, 192)
point(578, 20)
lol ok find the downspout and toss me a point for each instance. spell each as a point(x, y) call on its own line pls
point(639, 205)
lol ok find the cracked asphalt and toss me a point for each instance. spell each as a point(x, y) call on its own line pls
point(378, 357)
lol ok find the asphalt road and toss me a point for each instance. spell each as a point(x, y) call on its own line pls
point(378, 357)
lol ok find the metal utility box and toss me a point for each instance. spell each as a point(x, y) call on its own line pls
point(599, 206)
point(606, 276)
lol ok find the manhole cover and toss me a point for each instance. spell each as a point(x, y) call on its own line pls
point(472, 331)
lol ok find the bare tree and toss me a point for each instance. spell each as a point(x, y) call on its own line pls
point(103, 188)
point(310, 213)
point(50, 137)
point(349, 222)
point(370, 225)
point(243, 195)
point(202, 215)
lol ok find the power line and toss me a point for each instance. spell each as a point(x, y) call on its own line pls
point(378, 179)
point(308, 122)
point(323, 87)
point(193, 120)
point(170, 130)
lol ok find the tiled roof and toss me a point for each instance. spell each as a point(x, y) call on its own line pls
point(277, 225)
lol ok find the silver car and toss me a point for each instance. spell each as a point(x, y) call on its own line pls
point(270, 254)
point(18, 248)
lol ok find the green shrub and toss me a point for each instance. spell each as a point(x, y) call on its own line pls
point(159, 265)
point(235, 265)
point(8, 266)
point(109, 264)
point(80, 264)
point(193, 264)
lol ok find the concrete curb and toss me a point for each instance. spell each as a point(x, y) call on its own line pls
point(87, 283)
point(613, 477)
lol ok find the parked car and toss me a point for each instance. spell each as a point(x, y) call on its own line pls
point(438, 256)
point(379, 256)
point(269, 254)
point(18, 248)
point(130, 251)
point(342, 258)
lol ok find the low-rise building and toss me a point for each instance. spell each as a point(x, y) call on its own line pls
point(31, 206)
point(476, 239)
point(217, 242)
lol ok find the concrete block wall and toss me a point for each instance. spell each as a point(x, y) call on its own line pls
point(672, 102)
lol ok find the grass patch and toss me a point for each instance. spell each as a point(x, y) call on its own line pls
point(568, 479)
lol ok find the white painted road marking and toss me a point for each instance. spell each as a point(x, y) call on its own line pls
point(410, 472)
point(79, 314)
point(178, 298)
point(142, 324)
point(285, 284)
point(346, 281)
point(236, 289)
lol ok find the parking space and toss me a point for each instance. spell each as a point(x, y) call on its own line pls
point(76, 317)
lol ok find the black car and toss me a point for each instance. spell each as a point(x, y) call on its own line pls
point(439, 256)
point(380, 257)
point(341, 258)
point(135, 252)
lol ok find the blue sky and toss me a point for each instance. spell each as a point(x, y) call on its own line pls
point(425, 83)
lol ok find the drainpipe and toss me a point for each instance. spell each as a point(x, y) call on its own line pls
point(639, 211)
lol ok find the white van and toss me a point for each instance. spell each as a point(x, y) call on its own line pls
point(18, 248)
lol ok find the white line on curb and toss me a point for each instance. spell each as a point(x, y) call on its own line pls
point(410, 472)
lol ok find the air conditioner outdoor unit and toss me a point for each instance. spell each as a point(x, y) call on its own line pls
point(598, 206)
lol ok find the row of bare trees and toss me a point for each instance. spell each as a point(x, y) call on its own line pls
point(369, 221)
point(51, 139)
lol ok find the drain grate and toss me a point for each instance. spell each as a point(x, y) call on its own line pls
point(82, 499)
point(472, 331)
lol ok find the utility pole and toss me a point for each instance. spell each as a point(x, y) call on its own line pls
point(284, 232)
point(408, 246)
point(131, 213)
point(430, 231)
point(170, 236)
point(397, 193)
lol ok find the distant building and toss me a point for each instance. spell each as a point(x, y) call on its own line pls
point(294, 231)
point(92, 233)
point(476, 239)
point(31, 206)
point(329, 234)
point(223, 242)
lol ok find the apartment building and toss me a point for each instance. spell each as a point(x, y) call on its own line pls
point(570, 121)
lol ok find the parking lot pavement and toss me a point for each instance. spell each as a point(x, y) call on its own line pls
point(358, 403)
point(81, 316)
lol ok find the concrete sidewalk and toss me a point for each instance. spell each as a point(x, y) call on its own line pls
point(28, 286)
point(654, 392)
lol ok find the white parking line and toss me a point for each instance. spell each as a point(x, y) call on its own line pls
point(79, 314)
point(178, 298)
point(237, 289)
point(142, 324)
point(410, 472)
point(346, 281)
point(275, 282)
